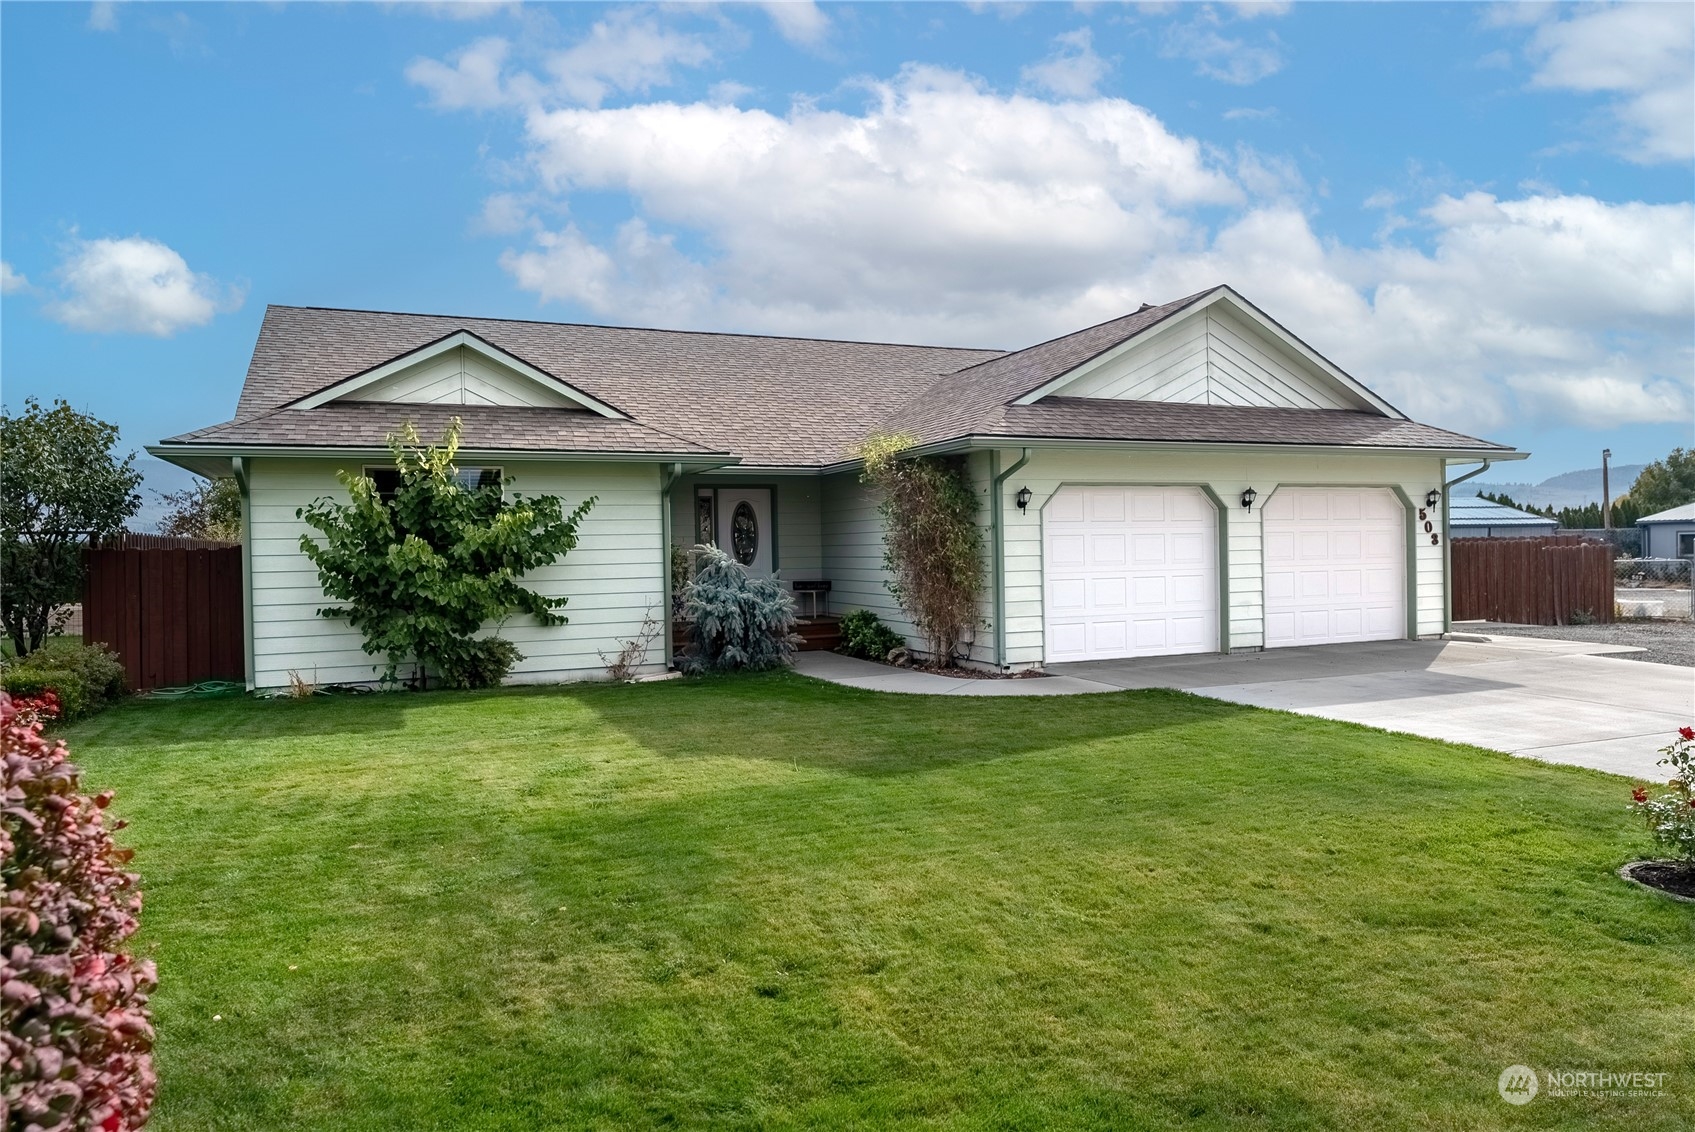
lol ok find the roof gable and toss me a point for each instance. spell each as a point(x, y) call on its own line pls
point(1220, 350)
point(458, 369)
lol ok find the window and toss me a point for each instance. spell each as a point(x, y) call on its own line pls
point(1686, 544)
point(471, 479)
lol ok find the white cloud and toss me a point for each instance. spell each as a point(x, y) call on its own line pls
point(1073, 70)
point(945, 211)
point(799, 21)
point(1642, 53)
point(11, 281)
point(135, 285)
point(474, 80)
point(1218, 56)
point(624, 53)
point(1254, 9)
point(103, 16)
point(1250, 113)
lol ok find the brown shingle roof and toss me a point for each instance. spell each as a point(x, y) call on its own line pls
point(798, 402)
point(773, 401)
point(1090, 418)
point(366, 424)
point(967, 400)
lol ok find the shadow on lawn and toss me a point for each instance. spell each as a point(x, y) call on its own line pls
point(792, 719)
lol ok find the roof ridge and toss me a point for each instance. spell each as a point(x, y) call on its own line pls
point(1175, 304)
point(999, 351)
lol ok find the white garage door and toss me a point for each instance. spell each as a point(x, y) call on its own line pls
point(1335, 566)
point(1129, 571)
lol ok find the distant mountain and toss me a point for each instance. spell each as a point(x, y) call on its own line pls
point(1568, 489)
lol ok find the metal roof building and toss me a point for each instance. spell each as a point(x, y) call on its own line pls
point(1472, 516)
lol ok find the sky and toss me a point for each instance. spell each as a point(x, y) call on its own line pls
point(1484, 212)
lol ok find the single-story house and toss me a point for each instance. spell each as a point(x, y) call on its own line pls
point(1669, 534)
point(1187, 478)
point(1472, 516)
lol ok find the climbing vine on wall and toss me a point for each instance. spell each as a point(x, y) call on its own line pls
point(933, 546)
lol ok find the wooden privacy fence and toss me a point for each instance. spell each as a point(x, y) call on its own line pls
point(172, 613)
point(1532, 581)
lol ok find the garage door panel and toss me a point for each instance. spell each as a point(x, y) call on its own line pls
point(1066, 550)
point(1130, 571)
point(1335, 566)
point(1106, 550)
point(1069, 594)
point(1106, 505)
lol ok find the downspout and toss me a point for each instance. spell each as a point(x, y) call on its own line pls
point(997, 520)
point(668, 479)
point(1448, 548)
point(239, 469)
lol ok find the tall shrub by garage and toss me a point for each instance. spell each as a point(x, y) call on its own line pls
point(933, 547)
point(78, 1037)
point(421, 574)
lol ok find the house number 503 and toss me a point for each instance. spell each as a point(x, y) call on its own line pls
point(1429, 527)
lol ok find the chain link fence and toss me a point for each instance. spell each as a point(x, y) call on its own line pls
point(1639, 573)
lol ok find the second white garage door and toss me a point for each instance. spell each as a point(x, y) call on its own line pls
point(1129, 571)
point(1335, 566)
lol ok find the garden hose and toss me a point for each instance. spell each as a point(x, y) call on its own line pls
point(203, 689)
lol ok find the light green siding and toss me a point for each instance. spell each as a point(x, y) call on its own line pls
point(853, 552)
point(798, 502)
point(1226, 474)
point(613, 578)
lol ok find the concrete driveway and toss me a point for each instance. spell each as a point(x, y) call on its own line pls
point(1561, 701)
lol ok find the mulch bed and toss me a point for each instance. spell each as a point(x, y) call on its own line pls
point(1671, 877)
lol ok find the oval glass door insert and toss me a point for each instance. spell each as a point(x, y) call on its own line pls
point(744, 533)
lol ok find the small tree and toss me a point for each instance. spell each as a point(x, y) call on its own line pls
point(735, 619)
point(932, 544)
point(423, 572)
point(1666, 483)
point(211, 509)
point(60, 487)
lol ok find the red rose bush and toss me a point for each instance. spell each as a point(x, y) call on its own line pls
point(1670, 814)
point(78, 1037)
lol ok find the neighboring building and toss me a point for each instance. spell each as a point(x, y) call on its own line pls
point(1472, 516)
point(1669, 534)
point(1113, 464)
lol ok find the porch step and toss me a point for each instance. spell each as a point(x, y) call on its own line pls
point(817, 634)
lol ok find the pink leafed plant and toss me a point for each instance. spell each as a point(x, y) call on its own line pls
point(78, 1036)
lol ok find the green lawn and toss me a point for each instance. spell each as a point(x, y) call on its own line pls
point(770, 902)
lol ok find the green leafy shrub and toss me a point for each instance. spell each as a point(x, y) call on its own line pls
point(480, 664)
point(1670, 814)
point(75, 1035)
point(423, 572)
point(865, 635)
point(736, 620)
point(932, 544)
point(85, 677)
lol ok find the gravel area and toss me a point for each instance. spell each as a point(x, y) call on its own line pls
point(1667, 642)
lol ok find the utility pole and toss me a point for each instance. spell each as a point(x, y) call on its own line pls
point(1606, 491)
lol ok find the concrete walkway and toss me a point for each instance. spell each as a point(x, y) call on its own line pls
point(856, 673)
point(1560, 701)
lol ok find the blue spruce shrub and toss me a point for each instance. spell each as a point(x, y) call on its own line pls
point(736, 621)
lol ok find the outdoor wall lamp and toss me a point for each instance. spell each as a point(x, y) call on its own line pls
point(1431, 497)
point(1248, 497)
point(1022, 498)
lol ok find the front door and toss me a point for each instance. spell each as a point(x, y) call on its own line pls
point(744, 527)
